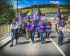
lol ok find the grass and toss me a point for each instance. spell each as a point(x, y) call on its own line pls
point(47, 10)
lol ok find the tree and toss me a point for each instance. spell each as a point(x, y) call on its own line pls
point(7, 13)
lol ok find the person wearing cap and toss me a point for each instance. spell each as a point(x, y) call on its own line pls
point(27, 26)
point(60, 36)
point(14, 32)
point(47, 28)
point(42, 31)
point(32, 30)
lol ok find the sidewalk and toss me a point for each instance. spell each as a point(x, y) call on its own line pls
point(4, 40)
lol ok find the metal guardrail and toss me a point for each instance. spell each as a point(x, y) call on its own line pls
point(5, 29)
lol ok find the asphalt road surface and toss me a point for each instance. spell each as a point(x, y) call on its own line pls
point(50, 48)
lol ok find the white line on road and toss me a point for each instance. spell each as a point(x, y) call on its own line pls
point(58, 48)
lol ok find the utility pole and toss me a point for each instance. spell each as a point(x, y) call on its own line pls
point(17, 8)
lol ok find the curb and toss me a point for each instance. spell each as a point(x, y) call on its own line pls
point(5, 45)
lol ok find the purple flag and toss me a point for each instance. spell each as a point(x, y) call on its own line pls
point(39, 12)
point(58, 13)
point(37, 17)
point(34, 15)
point(19, 20)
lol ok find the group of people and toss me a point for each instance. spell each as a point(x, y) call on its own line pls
point(41, 26)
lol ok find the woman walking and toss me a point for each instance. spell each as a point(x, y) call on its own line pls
point(32, 31)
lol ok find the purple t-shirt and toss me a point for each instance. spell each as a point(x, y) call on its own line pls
point(41, 28)
point(62, 23)
point(27, 25)
point(32, 27)
point(48, 28)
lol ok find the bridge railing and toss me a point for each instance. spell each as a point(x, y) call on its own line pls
point(5, 29)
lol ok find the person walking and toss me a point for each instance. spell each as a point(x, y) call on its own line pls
point(41, 31)
point(32, 30)
point(62, 30)
point(47, 28)
point(14, 32)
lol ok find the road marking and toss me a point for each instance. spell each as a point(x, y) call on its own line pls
point(58, 48)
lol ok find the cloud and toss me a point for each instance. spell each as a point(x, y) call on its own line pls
point(34, 1)
point(25, 1)
point(54, 2)
point(14, 3)
point(19, 6)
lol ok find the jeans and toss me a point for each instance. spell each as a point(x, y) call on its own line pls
point(42, 36)
point(38, 34)
point(47, 35)
point(12, 37)
point(60, 39)
point(20, 32)
point(32, 35)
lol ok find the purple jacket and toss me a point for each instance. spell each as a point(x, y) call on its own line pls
point(32, 27)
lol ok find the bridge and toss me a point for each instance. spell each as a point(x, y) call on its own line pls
point(26, 48)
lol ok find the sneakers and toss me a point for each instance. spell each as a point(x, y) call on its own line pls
point(27, 38)
point(11, 45)
point(16, 43)
point(42, 43)
point(32, 42)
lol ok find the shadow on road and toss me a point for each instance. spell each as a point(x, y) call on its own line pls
point(67, 42)
point(48, 41)
point(20, 43)
point(26, 42)
point(53, 36)
point(37, 41)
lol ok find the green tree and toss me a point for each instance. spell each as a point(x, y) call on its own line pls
point(7, 13)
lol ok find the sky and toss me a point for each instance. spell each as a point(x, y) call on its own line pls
point(27, 3)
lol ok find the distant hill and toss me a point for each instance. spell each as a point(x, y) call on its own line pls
point(46, 5)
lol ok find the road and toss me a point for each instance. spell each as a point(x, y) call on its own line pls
point(50, 48)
